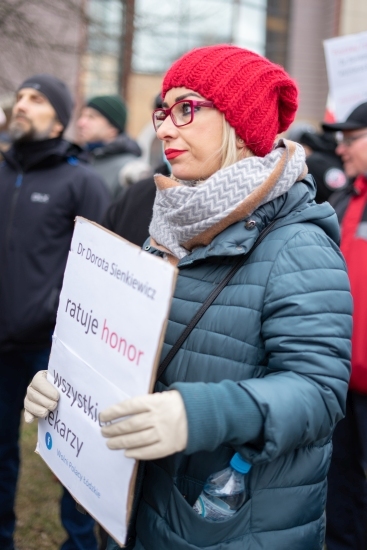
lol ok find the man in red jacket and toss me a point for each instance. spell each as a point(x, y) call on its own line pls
point(346, 508)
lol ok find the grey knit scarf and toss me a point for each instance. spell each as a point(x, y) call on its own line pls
point(185, 217)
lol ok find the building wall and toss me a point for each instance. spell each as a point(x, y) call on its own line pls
point(99, 75)
point(353, 17)
point(277, 30)
point(142, 90)
point(164, 30)
point(311, 22)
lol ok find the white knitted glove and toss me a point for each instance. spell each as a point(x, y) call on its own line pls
point(157, 426)
point(41, 397)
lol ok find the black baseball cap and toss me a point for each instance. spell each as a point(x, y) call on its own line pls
point(355, 121)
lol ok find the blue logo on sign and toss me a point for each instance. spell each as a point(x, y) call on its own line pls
point(48, 439)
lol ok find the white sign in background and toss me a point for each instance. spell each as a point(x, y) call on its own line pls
point(110, 324)
point(346, 62)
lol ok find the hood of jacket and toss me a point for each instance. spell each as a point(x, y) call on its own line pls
point(122, 145)
point(42, 154)
point(295, 206)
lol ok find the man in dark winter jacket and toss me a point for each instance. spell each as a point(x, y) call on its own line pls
point(346, 510)
point(43, 186)
point(324, 164)
point(130, 215)
point(101, 128)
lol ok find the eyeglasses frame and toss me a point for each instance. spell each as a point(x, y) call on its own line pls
point(168, 112)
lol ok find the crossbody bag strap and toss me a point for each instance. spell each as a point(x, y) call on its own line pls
point(208, 302)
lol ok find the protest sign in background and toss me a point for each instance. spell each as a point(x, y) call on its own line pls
point(110, 325)
point(346, 62)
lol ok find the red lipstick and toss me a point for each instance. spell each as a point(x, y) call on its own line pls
point(173, 153)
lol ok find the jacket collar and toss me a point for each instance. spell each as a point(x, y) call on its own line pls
point(40, 154)
point(122, 145)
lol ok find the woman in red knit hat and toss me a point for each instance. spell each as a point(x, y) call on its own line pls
point(259, 378)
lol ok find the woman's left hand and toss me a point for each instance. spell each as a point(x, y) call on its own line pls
point(156, 427)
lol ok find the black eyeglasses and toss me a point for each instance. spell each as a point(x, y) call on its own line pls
point(181, 113)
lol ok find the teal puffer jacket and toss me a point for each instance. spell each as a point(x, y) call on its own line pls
point(264, 373)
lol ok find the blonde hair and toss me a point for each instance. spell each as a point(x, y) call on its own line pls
point(229, 151)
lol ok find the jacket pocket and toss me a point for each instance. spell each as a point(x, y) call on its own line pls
point(200, 532)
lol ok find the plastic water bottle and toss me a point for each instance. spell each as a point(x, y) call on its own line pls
point(224, 492)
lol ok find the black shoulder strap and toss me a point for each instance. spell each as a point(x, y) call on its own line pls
point(210, 299)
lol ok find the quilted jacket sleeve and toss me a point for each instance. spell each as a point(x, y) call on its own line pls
point(306, 329)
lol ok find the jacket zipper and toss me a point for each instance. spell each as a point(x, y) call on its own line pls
point(18, 184)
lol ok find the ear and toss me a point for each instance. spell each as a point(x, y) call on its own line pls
point(114, 132)
point(240, 143)
point(57, 129)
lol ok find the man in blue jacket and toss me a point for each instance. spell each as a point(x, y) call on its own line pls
point(43, 186)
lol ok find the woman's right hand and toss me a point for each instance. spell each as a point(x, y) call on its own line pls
point(41, 397)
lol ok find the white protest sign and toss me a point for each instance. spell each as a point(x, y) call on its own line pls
point(346, 62)
point(112, 314)
point(70, 441)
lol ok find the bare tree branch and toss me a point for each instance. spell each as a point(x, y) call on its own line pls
point(35, 33)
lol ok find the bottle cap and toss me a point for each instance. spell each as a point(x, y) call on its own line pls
point(240, 465)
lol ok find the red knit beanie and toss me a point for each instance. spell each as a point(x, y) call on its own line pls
point(257, 97)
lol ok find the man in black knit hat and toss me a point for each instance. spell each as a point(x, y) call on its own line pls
point(101, 129)
point(44, 184)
